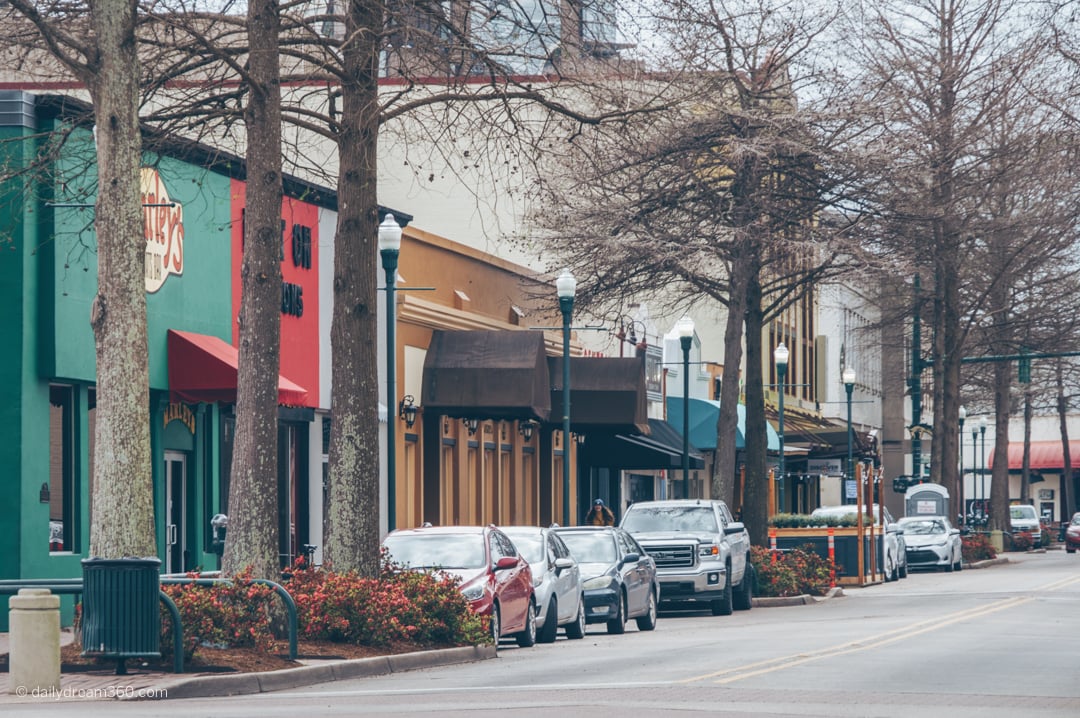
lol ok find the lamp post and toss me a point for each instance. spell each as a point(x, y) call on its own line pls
point(685, 329)
point(963, 415)
point(982, 460)
point(780, 358)
point(974, 466)
point(389, 247)
point(848, 377)
point(565, 285)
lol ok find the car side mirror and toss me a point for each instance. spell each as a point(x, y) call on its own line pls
point(630, 558)
point(563, 562)
point(893, 528)
point(506, 562)
point(954, 532)
point(735, 527)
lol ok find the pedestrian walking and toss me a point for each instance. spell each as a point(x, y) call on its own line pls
point(600, 515)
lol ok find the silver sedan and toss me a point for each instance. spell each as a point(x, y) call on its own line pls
point(556, 581)
point(932, 542)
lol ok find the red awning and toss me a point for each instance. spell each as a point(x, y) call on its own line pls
point(1044, 455)
point(203, 368)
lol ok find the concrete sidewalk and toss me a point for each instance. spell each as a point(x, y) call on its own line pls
point(104, 684)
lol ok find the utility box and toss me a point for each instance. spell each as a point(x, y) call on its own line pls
point(927, 500)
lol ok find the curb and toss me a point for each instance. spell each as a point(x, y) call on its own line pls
point(250, 683)
point(803, 599)
point(988, 562)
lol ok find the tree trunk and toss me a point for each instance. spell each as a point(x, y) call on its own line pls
point(727, 423)
point(999, 480)
point(353, 514)
point(756, 501)
point(1025, 473)
point(253, 536)
point(1067, 498)
point(123, 501)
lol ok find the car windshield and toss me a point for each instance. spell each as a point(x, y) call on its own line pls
point(590, 546)
point(915, 528)
point(670, 518)
point(1022, 512)
point(529, 545)
point(436, 550)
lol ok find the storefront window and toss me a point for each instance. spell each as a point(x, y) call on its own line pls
point(61, 494)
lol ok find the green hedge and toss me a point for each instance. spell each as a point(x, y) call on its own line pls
point(804, 521)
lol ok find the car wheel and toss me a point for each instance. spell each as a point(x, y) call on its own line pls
point(617, 625)
point(496, 624)
point(551, 624)
point(576, 629)
point(723, 606)
point(648, 621)
point(527, 636)
point(1070, 550)
point(950, 566)
point(744, 599)
point(960, 562)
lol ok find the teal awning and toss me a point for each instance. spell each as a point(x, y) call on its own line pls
point(704, 413)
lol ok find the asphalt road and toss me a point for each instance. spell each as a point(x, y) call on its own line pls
point(1000, 641)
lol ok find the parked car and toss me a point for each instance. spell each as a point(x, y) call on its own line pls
point(495, 577)
point(893, 543)
point(932, 542)
point(702, 553)
point(556, 578)
point(1072, 534)
point(1023, 517)
point(619, 578)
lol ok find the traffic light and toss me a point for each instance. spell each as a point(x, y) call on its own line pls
point(1024, 370)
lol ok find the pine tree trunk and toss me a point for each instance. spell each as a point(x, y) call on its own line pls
point(123, 501)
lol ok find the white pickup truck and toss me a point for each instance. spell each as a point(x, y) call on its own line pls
point(702, 553)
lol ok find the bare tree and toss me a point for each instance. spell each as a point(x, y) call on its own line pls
point(99, 48)
point(252, 539)
point(720, 200)
point(943, 75)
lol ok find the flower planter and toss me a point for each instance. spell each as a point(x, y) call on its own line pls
point(845, 547)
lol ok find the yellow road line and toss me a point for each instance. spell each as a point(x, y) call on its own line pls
point(881, 639)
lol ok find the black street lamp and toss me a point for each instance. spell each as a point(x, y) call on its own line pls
point(982, 460)
point(685, 329)
point(974, 467)
point(848, 377)
point(780, 358)
point(389, 248)
point(960, 499)
point(565, 286)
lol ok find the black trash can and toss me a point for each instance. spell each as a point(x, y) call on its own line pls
point(120, 608)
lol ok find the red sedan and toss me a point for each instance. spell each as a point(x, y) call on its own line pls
point(494, 576)
point(1072, 534)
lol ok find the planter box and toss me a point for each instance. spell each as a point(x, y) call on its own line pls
point(845, 547)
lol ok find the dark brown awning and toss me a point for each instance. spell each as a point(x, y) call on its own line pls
point(487, 375)
point(605, 394)
point(661, 449)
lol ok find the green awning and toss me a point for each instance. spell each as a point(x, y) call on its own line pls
point(703, 415)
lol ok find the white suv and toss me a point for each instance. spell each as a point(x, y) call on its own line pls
point(1023, 517)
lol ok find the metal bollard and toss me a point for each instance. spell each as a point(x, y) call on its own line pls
point(34, 622)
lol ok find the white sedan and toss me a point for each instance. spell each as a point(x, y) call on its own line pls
point(932, 542)
point(556, 581)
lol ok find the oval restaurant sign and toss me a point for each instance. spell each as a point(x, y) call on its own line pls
point(164, 229)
